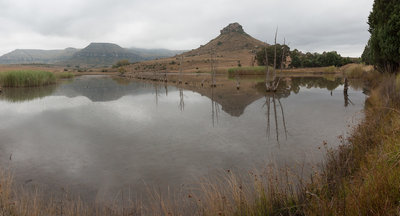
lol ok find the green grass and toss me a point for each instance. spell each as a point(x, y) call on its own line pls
point(330, 69)
point(354, 71)
point(65, 75)
point(258, 70)
point(26, 78)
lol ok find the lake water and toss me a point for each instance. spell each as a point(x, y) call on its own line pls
point(97, 135)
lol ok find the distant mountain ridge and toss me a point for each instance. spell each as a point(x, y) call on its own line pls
point(28, 56)
point(102, 54)
point(150, 54)
point(95, 54)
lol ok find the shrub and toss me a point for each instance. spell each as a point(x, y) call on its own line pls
point(330, 69)
point(65, 75)
point(121, 63)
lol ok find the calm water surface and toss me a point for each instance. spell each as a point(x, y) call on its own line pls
point(97, 135)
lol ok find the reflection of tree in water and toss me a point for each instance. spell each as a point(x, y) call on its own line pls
point(215, 109)
point(286, 86)
point(181, 100)
point(293, 84)
point(345, 93)
point(157, 93)
point(271, 102)
point(26, 94)
point(314, 82)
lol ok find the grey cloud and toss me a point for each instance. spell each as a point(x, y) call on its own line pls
point(310, 25)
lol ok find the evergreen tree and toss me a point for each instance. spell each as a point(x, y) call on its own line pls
point(260, 55)
point(384, 26)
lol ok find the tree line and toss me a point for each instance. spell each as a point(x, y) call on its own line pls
point(300, 59)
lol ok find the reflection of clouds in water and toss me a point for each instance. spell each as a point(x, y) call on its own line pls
point(44, 104)
point(106, 145)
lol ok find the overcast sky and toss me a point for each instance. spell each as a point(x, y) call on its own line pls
point(309, 25)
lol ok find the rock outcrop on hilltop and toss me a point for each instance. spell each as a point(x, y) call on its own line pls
point(232, 38)
point(233, 27)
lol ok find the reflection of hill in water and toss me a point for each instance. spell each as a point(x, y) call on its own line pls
point(102, 88)
point(235, 102)
point(232, 101)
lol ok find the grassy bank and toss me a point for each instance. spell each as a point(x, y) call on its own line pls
point(64, 75)
point(362, 177)
point(26, 78)
point(258, 70)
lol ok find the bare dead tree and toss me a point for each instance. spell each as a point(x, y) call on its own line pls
point(274, 84)
point(180, 69)
point(213, 64)
point(347, 100)
point(267, 84)
point(283, 53)
point(165, 75)
point(276, 34)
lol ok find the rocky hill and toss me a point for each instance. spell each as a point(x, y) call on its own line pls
point(232, 38)
point(233, 47)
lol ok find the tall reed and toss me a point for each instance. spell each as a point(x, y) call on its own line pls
point(26, 78)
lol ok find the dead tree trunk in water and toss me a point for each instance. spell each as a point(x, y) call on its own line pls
point(267, 84)
point(213, 68)
point(274, 84)
point(276, 34)
point(165, 76)
point(283, 54)
point(347, 100)
point(181, 100)
point(180, 69)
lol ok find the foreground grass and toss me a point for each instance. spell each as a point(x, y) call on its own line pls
point(362, 177)
point(26, 78)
